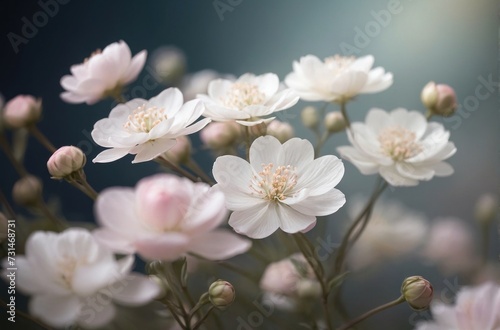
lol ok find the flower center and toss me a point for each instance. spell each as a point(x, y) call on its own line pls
point(339, 63)
point(274, 184)
point(66, 270)
point(398, 143)
point(242, 95)
point(142, 119)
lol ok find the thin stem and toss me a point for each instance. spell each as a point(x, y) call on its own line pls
point(4, 144)
point(91, 191)
point(248, 143)
point(168, 164)
point(344, 113)
point(173, 312)
point(41, 138)
point(200, 321)
point(320, 144)
point(344, 245)
point(372, 312)
point(193, 165)
point(310, 256)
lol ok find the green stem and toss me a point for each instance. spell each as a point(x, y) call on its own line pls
point(344, 113)
point(344, 245)
point(320, 144)
point(200, 321)
point(193, 165)
point(372, 312)
point(4, 144)
point(168, 164)
point(41, 138)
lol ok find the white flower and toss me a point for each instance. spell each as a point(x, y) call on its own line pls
point(476, 308)
point(197, 83)
point(164, 218)
point(147, 128)
point(103, 74)
point(401, 146)
point(392, 231)
point(337, 78)
point(73, 279)
point(247, 99)
point(283, 186)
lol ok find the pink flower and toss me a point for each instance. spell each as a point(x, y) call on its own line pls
point(103, 74)
point(477, 308)
point(22, 111)
point(165, 217)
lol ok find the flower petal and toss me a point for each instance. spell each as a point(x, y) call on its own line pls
point(219, 244)
point(255, 222)
point(110, 155)
point(321, 205)
point(57, 311)
point(151, 149)
point(135, 290)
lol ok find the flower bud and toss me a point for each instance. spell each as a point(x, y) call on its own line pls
point(3, 227)
point(169, 64)
point(418, 292)
point(257, 130)
point(309, 117)
point(220, 134)
point(66, 161)
point(334, 122)
point(27, 191)
point(221, 294)
point(280, 130)
point(440, 99)
point(180, 153)
point(486, 208)
point(22, 111)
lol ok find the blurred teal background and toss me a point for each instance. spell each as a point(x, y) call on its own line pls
point(447, 41)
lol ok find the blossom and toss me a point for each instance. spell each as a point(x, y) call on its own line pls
point(247, 99)
point(22, 111)
point(197, 83)
point(450, 245)
point(103, 74)
point(476, 308)
point(392, 231)
point(147, 128)
point(72, 279)
point(65, 161)
point(401, 146)
point(164, 218)
point(337, 78)
point(283, 186)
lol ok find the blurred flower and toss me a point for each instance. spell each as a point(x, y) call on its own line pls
point(247, 99)
point(280, 130)
point(103, 74)
point(337, 78)
point(27, 191)
point(486, 208)
point(68, 274)
point(418, 292)
point(450, 245)
point(392, 231)
point(476, 308)
point(401, 146)
point(309, 117)
point(180, 153)
point(197, 83)
point(147, 128)
point(283, 186)
point(334, 122)
point(169, 64)
point(164, 218)
point(22, 111)
point(221, 294)
point(291, 278)
point(219, 135)
point(66, 161)
point(440, 99)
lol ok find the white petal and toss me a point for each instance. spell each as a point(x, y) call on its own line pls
point(321, 205)
point(110, 155)
point(255, 222)
point(206, 212)
point(57, 311)
point(220, 245)
point(135, 67)
point(151, 149)
point(321, 175)
point(378, 119)
point(349, 84)
point(291, 221)
point(88, 280)
point(218, 88)
point(297, 153)
point(415, 172)
point(97, 311)
point(411, 120)
point(135, 290)
point(250, 123)
point(170, 99)
point(392, 176)
point(443, 169)
point(378, 81)
point(194, 128)
point(232, 171)
point(363, 163)
point(114, 241)
point(264, 150)
point(237, 199)
point(363, 63)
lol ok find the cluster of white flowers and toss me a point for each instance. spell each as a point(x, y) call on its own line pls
point(265, 180)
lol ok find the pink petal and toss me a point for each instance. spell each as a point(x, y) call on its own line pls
point(219, 245)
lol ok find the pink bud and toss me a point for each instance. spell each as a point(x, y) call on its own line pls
point(221, 294)
point(418, 292)
point(220, 134)
point(440, 99)
point(27, 191)
point(280, 130)
point(65, 161)
point(22, 111)
point(180, 152)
